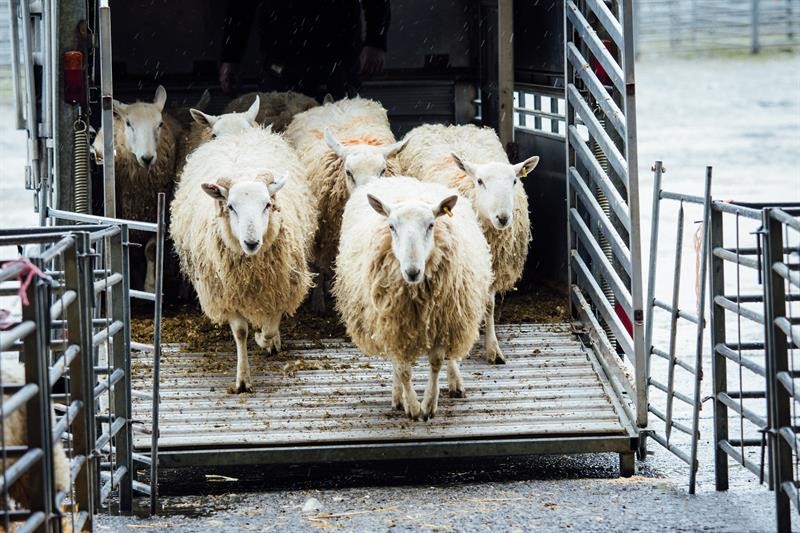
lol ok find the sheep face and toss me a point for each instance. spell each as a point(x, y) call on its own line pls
point(362, 162)
point(143, 124)
point(229, 123)
point(411, 226)
point(495, 185)
point(246, 206)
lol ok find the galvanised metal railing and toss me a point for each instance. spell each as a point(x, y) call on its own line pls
point(680, 368)
point(781, 268)
point(602, 188)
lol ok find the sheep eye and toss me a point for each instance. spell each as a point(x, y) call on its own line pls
point(231, 209)
point(382, 172)
point(349, 174)
point(213, 135)
point(430, 226)
point(392, 228)
point(480, 182)
point(515, 181)
point(160, 124)
point(128, 123)
point(269, 204)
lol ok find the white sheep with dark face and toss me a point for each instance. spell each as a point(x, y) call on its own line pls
point(246, 249)
point(412, 276)
point(344, 144)
point(472, 160)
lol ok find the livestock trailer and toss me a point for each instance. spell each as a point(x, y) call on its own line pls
point(554, 78)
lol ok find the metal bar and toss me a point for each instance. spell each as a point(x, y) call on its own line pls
point(22, 465)
point(726, 448)
point(62, 363)
point(678, 361)
point(673, 323)
point(786, 219)
point(117, 375)
point(783, 324)
point(731, 355)
point(680, 312)
point(733, 257)
point(790, 437)
point(598, 49)
point(658, 170)
point(505, 71)
point(107, 114)
point(607, 20)
point(107, 282)
point(58, 307)
point(121, 348)
point(682, 455)
point(747, 413)
point(598, 176)
point(599, 134)
point(525, 111)
point(735, 209)
point(701, 306)
point(141, 295)
point(18, 332)
point(601, 96)
point(31, 117)
point(598, 298)
point(621, 251)
point(677, 425)
point(784, 271)
point(749, 314)
point(665, 389)
point(20, 398)
point(719, 366)
point(19, 122)
point(95, 219)
point(599, 259)
point(159, 280)
point(111, 482)
point(680, 197)
point(106, 437)
point(105, 333)
point(141, 347)
point(63, 424)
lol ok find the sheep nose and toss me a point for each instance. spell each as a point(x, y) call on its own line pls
point(252, 246)
point(147, 160)
point(412, 274)
point(502, 219)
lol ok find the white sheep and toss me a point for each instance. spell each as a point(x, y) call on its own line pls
point(15, 433)
point(344, 144)
point(410, 281)
point(275, 108)
point(246, 251)
point(472, 160)
point(205, 128)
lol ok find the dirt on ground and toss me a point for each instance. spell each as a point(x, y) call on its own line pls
point(187, 325)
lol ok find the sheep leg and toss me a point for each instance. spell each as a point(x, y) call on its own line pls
point(397, 390)
point(430, 402)
point(318, 293)
point(403, 375)
point(455, 386)
point(269, 337)
point(493, 353)
point(239, 328)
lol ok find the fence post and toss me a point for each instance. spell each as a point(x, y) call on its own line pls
point(718, 364)
point(778, 398)
point(754, 16)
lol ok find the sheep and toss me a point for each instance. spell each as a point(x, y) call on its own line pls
point(248, 258)
point(344, 145)
point(472, 160)
point(276, 108)
point(206, 127)
point(15, 433)
point(410, 281)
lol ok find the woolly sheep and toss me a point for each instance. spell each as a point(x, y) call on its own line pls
point(275, 108)
point(246, 251)
point(410, 281)
point(15, 433)
point(472, 160)
point(206, 127)
point(344, 145)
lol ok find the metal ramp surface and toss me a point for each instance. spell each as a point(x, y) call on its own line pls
point(327, 401)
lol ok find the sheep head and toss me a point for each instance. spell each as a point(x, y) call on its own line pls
point(229, 123)
point(246, 205)
point(143, 127)
point(411, 226)
point(362, 162)
point(495, 185)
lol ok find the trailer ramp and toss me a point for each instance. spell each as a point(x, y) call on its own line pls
point(325, 401)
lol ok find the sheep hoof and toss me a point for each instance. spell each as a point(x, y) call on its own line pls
point(495, 357)
point(457, 393)
point(240, 388)
point(428, 411)
point(272, 344)
point(398, 405)
point(413, 409)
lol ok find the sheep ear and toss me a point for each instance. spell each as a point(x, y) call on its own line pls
point(394, 149)
point(328, 99)
point(204, 100)
point(118, 107)
point(161, 98)
point(463, 165)
point(252, 112)
point(203, 119)
point(446, 206)
point(277, 183)
point(334, 144)
point(215, 191)
point(377, 205)
point(526, 167)
point(268, 129)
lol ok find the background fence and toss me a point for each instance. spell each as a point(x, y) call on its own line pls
point(716, 25)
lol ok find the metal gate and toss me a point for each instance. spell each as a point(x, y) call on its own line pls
point(602, 188)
